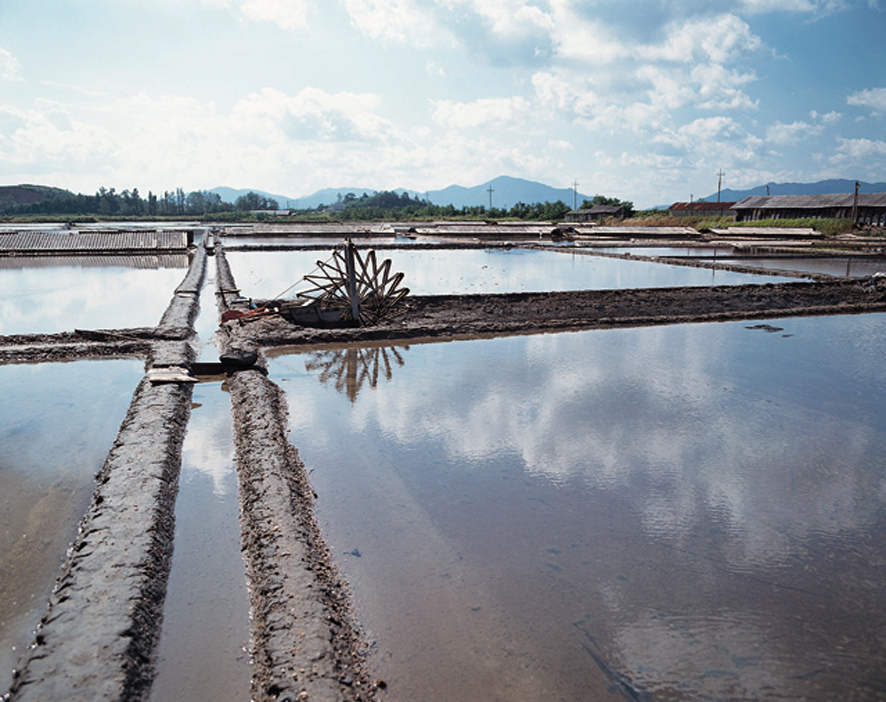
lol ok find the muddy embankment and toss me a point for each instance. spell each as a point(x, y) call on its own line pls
point(98, 636)
point(461, 316)
point(305, 644)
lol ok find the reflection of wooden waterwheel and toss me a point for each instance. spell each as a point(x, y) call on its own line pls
point(366, 291)
point(351, 368)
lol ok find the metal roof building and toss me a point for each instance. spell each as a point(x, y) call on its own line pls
point(871, 207)
point(597, 212)
point(94, 241)
point(702, 209)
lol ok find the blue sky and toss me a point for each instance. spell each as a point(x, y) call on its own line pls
point(645, 101)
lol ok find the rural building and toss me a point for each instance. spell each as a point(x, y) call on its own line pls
point(595, 213)
point(702, 209)
point(871, 207)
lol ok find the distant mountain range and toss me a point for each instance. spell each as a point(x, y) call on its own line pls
point(822, 187)
point(506, 192)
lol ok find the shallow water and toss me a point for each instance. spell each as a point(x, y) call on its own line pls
point(689, 512)
point(65, 296)
point(448, 271)
point(851, 267)
point(706, 251)
point(204, 642)
point(57, 424)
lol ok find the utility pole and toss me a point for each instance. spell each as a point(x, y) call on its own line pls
point(574, 194)
point(720, 175)
point(855, 204)
point(490, 191)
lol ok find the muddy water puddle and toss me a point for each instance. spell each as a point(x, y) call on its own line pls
point(203, 651)
point(47, 295)
point(57, 424)
point(439, 272)
point(684, 512)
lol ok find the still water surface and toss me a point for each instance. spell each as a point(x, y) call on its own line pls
point(205, 636)
point(688, 512)
point(448, 271)
point(45, 296)
point(57, 424)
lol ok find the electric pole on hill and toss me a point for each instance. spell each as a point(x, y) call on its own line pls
point(490, 196)
point(574, 194)
point(720, 175)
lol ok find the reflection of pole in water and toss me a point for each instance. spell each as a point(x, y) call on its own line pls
point(350, 368)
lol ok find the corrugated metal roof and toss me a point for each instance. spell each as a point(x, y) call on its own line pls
point(695, 206)
point(142, 261)
point(93, 240)
point(796, 202)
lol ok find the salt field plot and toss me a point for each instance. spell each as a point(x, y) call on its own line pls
point(689, 512)
point(44, 296)
point(852, 267)
point(447, 271)
point(694, 251)
point(205, 636)
point(57, 424)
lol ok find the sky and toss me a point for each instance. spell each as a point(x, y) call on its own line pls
point(645, 100)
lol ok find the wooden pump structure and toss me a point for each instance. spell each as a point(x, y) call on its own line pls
point(350, 289)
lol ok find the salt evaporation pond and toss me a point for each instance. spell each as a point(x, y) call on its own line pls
point(692, 251)
point(204, 641)
point(49, 295)
point(688, 512)
point(455, 271)
point(849, 267)
point(57, 423)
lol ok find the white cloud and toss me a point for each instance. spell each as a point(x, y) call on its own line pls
point(700, 133)
point(399, 21)
point(480, 113)
point(287, 14)
point(577, 38)
point(875, 99)
point(719, 39)
point(510, 18)
point(312, 114)
point(9, 66)
point(787, 134)
point(827, 118)
point(861, 151)
point(820, 7)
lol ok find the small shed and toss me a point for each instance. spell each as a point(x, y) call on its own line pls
point(596, 213)
point(702, 209)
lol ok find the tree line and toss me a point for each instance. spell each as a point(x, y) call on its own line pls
point(384, 205)
point(130, 203)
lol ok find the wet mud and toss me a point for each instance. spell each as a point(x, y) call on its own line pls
point(305, 645)
point(463, 316)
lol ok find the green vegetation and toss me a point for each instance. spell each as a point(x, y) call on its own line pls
point(828, 227)
point(390, 206)
point(609, 201)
